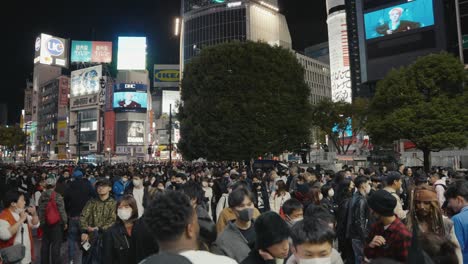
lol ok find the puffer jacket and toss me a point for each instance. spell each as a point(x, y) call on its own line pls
point(98, 213)
point(44, 200)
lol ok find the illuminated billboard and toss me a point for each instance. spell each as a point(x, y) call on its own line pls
point(51, 50)
point(130, 102)
point(86, 81)
point(130, 132)
point(91, 51)
point(131, 53)
point(399, 18)
point(166, 75)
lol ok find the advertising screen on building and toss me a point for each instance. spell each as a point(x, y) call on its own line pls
point(130, 102)
point(86, 81)
point(91, 51)
point(130, 132)
point(170, 98)
point(399, 18)
point(166, 75)
point(51, 50)
point(131, 53)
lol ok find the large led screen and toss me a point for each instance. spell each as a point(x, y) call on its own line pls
point(130, 102)
point(399, 18)
point(131, 53)
point(130, 132)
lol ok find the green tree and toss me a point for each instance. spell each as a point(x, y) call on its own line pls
point(335, 118)
point(424, 103)
point(242, 100)
point(12, 137)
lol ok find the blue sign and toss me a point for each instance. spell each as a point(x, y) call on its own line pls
point(130, 87)
point(55, 47)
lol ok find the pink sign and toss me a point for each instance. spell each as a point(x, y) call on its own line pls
point(101, 52)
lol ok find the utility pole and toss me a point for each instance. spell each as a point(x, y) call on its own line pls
point(79, 137)
point(26, 142)
point(170, 133)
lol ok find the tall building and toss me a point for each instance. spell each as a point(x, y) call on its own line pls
point(340, 71)
point(3, 114)
point(210, 22)
point(317, 77)
point(320, 52)
point(28, 102)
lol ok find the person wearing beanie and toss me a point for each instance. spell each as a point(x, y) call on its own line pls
point(53, 232)
point(272, 244)
point(394, 183)
point(388, 236)
point(77, 194)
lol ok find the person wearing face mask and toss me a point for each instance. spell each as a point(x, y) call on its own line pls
point(394, 184)
point(172, 219)
point(312, 243)
point(272, 240)
point(457, 201)
point(357, 225)
point(139, 192)
point(238, 238)
point(328, 200)
point(120, 186)
point(208, 193)
point(120, 241)
point(260, 192)
point(16, 224)
point(293, 211)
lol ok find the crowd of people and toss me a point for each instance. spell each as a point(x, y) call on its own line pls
point(232, 213)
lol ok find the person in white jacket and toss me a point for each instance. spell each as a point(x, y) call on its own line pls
point(278, 197)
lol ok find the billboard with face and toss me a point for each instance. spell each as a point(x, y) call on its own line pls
point(130, 102)
point(86, 81)
point(130, 132)
point(51, 50)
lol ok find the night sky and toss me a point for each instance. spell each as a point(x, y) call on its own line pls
point(105, 20)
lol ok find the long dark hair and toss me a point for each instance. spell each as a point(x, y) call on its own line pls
point(342, 191)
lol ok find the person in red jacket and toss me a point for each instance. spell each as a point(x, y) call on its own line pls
point(16, 222)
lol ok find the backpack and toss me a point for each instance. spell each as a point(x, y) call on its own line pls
point(52, 214)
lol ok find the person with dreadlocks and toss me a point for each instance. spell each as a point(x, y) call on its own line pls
point(425, 212)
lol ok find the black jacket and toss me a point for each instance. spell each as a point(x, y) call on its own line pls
point(146, 196)
point(77, 194)
point(208, 232)
point(120, 248)
point(255, 258)
point(265, 198)
point(358, 218)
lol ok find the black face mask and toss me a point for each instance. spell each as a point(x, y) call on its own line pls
point(256, 185)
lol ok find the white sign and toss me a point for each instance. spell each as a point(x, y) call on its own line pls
point(131, 53)
point(170, 98)
point(339, 57)
point(86, 81)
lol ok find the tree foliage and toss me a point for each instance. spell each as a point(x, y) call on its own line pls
point(12, 137)
point(242, 100)
point(335, 118)
point(424, 103)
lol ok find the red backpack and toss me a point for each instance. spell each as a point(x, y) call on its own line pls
point(52, 214)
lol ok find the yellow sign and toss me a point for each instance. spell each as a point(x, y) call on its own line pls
point(166, 75)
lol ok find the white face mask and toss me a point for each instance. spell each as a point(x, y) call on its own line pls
point(137, 183)
point(293, 221)
point(19, 210)
point(320, 197)
point(326, 260)
point(124, 214)
point(331, 193)
point(204, 184)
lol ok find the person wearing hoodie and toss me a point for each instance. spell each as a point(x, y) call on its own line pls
point(312, 242)
point(272, 240)
point(77, 194)
point(53, 233)
point(120, 186)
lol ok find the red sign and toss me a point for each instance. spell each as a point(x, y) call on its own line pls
point(64, 90)
point(109, 132)
point(101, 52)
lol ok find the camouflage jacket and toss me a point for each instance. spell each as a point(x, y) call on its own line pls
point(44, 200)
point(99, 214)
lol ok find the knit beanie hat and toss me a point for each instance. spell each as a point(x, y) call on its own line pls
point(77, 174)
point(382, 202)
point(270, 229)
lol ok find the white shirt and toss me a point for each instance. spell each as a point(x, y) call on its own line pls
point(6, 235)
point(209, 196)
point(205, 257)
point(138, 195)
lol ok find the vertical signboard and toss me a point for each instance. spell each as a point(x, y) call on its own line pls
point(339, 57)
point(64, 91)
point(109, 136)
